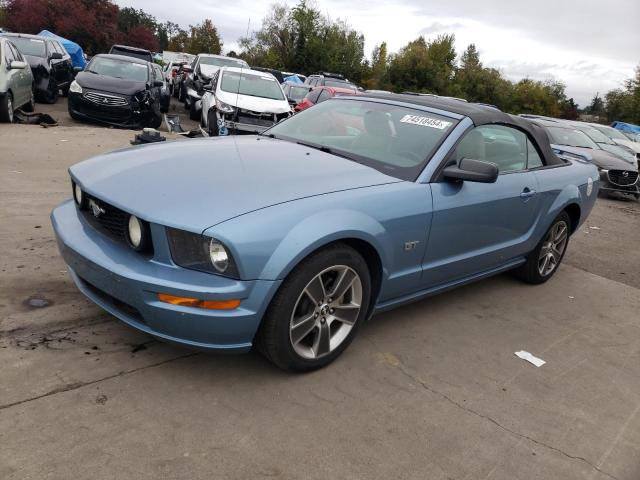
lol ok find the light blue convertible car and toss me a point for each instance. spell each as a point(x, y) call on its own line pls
point(290, 240)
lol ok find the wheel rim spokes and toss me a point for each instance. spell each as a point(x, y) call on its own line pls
point(325, 312)
point(553, 248)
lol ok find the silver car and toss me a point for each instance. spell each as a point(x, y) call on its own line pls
point(16, 82)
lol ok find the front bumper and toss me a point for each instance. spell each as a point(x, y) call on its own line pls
point(126, 284)
point(132, 115)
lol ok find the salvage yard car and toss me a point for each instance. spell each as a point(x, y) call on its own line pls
point(15, 81)
point(242, 101)
point(289, 241)
point(50, 64)
point(616, 175)
point(119, 91)
point(204, 66)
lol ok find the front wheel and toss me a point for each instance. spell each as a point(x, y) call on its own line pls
point(317, 311)
point(545, 259)
point(6, 108)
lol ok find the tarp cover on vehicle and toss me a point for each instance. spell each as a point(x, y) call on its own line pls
point(73, 49)
point(293, 79)
point(626, 127)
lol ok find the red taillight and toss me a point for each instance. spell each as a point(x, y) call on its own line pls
point(173, 73)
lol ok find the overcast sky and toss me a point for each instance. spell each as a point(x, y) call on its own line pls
point(591, 45)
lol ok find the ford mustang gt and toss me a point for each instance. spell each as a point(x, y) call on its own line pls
point(288, 241)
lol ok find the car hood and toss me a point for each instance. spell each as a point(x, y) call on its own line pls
point(635, 146)
point(255, 104)
point(93, 81)
point(601, 158)
point(196, 184)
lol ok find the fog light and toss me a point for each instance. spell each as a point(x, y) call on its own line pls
point(135, 232)
point(77, 194)
point(194, 302)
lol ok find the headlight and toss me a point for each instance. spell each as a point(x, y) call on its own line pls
point(75, 87)
point(224, 107)
point(198, 252)
point(79, 197)
point(138, 234)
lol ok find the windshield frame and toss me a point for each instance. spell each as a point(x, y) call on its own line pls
point(409, 174)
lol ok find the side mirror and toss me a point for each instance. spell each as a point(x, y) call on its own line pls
point(78, 69)
point(158, 83)
point(56, 56)
point(471, 170)
point(16, 65)
point(208, 87)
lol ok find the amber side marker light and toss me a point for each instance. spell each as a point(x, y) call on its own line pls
point(194, 302)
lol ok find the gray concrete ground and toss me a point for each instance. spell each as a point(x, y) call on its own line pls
point(429, 391)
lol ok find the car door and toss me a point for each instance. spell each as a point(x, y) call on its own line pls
point(57, 72)
point(21, 78)
point(481, 227)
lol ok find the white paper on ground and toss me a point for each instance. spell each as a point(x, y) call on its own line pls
point(538, 362)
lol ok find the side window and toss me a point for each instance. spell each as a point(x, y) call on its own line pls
point(214, 81)
point(324, 95)
point(504, 146)
point(533, 157)
point(50, 48)
point(16, 53)
point(313, 95)
point(8, 54)
point(59, 48)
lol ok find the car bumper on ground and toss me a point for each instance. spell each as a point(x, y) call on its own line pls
point(127, 284)
point(245, 127)
point(129, 115)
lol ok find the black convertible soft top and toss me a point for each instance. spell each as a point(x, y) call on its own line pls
point(480, 115)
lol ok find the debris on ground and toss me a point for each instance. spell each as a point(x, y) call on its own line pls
point(172, 121)
point(538, 362)
point(35, 118)
point(148, 135)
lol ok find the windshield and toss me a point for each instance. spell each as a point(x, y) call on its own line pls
point(30, 46)
point(298, 93)
point(395, 140)
point(252, 85)
point(223, 62)
point(332, 82)
point(595, 135)
point(611, 133)
point(570, 138)
point(118, 69)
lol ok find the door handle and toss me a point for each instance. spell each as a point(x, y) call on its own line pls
point(527, 193)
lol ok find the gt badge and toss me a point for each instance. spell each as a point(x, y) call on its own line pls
point(410, 245)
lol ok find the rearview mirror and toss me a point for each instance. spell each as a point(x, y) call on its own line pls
point(56, 56)
point(471, 170)
point(16, 65)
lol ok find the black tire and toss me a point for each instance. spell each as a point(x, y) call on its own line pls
point(65, 91)
point(181, 93)
point(274, 338)
point(530, 271)
point(31, 105)
point(51, 95)
point(194, 114)
point(212, 124)
point(6, 108)
point(155, 122)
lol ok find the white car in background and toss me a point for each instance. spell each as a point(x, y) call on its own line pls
point(240, 100)
point(618, 138)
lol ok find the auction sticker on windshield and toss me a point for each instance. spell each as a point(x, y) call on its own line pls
point(425, 121)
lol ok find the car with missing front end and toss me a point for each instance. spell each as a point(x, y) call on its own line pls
point(242, 101)
point(119, 91)
point(290, 240)
point(200, 73)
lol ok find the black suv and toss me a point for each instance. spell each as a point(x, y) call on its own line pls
point(134, 52)
point(326, 79)
point(50, 64)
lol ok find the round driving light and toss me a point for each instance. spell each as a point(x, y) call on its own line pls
point(135, 232)
point(77, 194)
point(219, 256)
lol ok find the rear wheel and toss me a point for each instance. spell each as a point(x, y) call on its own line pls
point(6, 108)
point(545, 259)
point(317, 311)
point(51, 95)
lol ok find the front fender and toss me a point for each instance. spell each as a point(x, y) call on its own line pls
point(321, 229)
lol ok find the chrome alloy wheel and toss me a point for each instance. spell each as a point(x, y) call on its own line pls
point(553, 248)
point(325, 312)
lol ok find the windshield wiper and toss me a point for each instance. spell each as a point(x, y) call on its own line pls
point(325, 149)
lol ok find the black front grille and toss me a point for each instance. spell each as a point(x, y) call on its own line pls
point(125, 308)
point(106, 218)
point(255, 118)
point(623, 178)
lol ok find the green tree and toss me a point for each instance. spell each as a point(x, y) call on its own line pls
point(623, 104)
point(204, 39)
point(596, 107)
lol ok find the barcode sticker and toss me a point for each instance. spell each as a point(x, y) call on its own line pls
point(425, 121)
